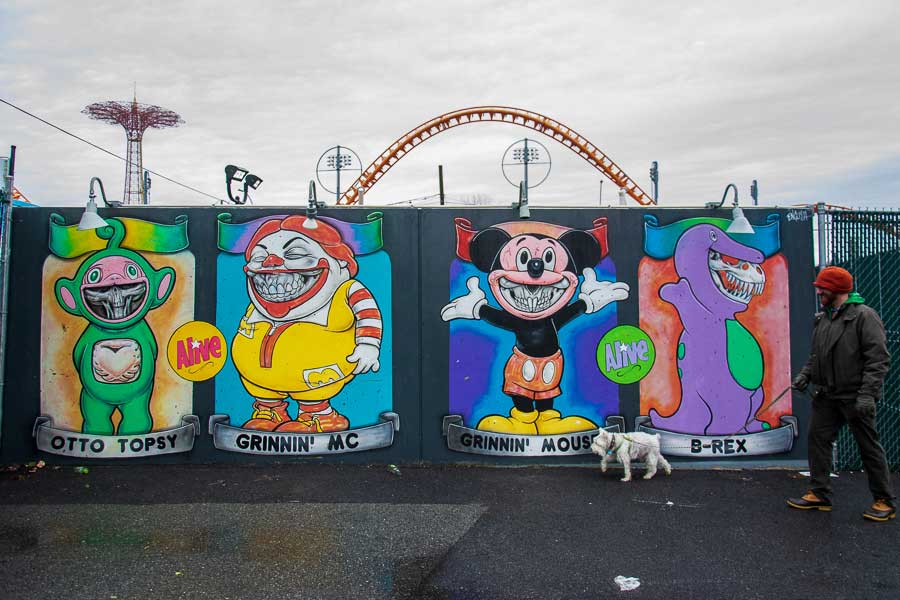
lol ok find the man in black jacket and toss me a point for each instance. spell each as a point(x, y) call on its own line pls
point(847, 365)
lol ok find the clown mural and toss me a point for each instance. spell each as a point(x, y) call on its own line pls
point(541, 277)
point(310, 328)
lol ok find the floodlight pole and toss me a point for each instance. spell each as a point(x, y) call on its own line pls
point(525, 155)
point(441, 182)
point(337, 165)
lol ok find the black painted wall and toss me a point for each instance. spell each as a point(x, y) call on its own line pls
point(421, 244)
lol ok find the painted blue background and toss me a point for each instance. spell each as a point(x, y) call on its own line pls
point(361, 400)
point(479, 351)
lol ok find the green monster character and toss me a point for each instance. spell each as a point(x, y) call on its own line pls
point(115, 356)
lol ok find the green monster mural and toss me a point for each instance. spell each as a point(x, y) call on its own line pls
point(115, 357)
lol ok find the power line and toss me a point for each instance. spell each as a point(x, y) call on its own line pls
point(89, 143)
point(411, 200)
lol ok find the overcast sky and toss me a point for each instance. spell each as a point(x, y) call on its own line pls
point(802, 96)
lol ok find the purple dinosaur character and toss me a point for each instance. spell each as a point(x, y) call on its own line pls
point(719, 362)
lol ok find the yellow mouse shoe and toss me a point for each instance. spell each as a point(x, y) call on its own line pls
point(518, 422)
point(550, 422)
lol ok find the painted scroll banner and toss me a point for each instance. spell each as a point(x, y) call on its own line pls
point(771, 441)
point(271, 443)
point(477, 441)
point(85, 445)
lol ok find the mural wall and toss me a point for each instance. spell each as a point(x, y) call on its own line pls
point(220, 335)
point(628, 320)
point(528, 298)
point(306, 303)
point(716, 306)
point(108, 297)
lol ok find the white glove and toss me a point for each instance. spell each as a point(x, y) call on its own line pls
point(597, 294)
point(465, 307)
point(366, 358)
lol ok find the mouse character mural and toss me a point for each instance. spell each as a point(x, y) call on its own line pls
point(541, 277)
point(720, 329)
point(312, 326)
point(113, 294)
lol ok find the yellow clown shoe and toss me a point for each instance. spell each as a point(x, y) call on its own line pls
point(550, 422)
point(518, 422)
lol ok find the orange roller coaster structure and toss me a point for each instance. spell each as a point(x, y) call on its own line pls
point(499, 114)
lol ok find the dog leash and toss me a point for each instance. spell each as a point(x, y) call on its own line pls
point(762, 409)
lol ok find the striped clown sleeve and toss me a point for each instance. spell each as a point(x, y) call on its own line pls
point(368, 317)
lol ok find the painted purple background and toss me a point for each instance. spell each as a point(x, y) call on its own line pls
point(478, 352)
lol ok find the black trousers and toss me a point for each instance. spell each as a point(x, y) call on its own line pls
point(828, 416)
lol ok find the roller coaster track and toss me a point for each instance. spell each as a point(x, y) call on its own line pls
point(498, 114)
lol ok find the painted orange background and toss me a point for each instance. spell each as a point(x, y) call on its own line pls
point(60, 386)
point(766, 318)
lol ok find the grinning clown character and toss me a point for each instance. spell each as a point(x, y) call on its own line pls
point(533, 277)
point(309, 329)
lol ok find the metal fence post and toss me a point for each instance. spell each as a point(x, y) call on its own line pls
point(820, 215)
point(7, 172)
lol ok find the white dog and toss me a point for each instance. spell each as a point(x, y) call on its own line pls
point(628, 446)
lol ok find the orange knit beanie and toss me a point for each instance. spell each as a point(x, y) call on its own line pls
point(835, 279)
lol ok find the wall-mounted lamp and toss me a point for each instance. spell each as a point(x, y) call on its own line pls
point(90, 219)
point(739, 223)
point(251, 181)
point(312, 207)
point(522, 204)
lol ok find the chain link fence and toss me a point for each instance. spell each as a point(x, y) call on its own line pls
point(867, 243)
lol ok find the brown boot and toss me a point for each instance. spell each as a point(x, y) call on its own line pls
point(809, 501)
point(267, 417)
point(881, 510)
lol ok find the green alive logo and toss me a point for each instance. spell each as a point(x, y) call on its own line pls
point(625, 354)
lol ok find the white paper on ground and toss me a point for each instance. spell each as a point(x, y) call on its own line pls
point(627, 583)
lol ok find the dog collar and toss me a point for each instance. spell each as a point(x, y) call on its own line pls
point(619, 445)
point(611, 451)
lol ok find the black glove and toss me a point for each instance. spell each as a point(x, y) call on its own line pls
point(800, 382)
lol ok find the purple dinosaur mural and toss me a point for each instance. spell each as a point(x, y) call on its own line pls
point(719, 361)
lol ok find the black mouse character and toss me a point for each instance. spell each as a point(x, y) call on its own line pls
point(533, 277)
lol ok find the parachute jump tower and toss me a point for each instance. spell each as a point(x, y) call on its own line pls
point(135, 118)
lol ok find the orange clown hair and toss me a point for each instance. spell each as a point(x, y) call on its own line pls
point(327, 236)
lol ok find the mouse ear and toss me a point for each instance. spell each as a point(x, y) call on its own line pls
point(485, 246)
point(583, 248)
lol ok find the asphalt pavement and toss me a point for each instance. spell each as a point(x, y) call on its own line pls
point(336, 531)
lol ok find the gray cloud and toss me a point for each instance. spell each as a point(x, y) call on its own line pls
point(790, 94)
